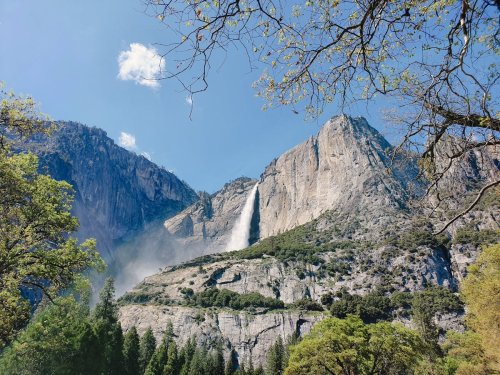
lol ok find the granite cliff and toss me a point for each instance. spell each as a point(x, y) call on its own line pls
point(117, 193)
point(345, 169)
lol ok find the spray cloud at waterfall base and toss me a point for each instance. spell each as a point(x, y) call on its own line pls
point(241, 230)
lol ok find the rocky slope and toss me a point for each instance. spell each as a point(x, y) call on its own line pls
point(291, 276)
point(116, 191)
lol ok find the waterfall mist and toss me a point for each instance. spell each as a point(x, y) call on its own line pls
point(241, 230)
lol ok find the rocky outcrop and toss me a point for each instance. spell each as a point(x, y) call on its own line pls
point(357, 269)
point(208, 222)
point(249, 335)
point(116, 191)
point(344, 168)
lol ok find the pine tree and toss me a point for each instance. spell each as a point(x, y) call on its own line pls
point(131, 352)
point(88, 348)
point(172, 366)
point(116, 360)
point(147, 348)
point(186, 356)
point(276, 358)
point(168, 336)
point(219, 361)
point(108, 331)
point(198, 362)
point(158, 360)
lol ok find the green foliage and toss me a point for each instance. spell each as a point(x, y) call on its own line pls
point(146, 349)
point(307, 304)
point(53, 342)
point(131, 352)
point(481, 292)
point(302, 244)
point(276, 358)
point(348, 346)
point(36, 253)
point(108, 331)
point(467, 235)
point(143, 297)
point(227, 298)
point(419, 236)
point(375, 306)
point(370, 308)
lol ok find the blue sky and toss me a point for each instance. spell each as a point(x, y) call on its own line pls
point(65, 54)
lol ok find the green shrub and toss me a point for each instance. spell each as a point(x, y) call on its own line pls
point(227, 298)
point(307, 304)
point(467, 235)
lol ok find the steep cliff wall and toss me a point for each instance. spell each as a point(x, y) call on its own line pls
point(344, 169)
point(116, 191)
point(208, 222)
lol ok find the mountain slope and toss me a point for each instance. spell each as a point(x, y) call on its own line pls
point(116, 191)
point(344, 170)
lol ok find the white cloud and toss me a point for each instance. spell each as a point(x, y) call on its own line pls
point(127, 141)
point(189, 100)
point(141, 64)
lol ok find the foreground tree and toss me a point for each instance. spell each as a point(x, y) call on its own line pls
point(36, 255)
point(348, 346)
point(481, 292)
point(58, 340)
point(147, 349)
point(108, 331)
point(435, 60)
point(276, 358)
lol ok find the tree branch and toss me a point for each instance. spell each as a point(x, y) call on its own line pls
point(476, 201)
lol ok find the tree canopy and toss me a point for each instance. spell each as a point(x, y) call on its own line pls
point(481, 292)
point(348, 346)
point(435, 60)
point(37, 257)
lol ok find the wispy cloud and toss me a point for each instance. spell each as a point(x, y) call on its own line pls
point(127, 141)
point(140, 64)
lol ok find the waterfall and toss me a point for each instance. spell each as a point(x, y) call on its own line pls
point(241, 230)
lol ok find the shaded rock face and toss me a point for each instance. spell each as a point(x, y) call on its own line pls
point(116, 191)
point(209, 221)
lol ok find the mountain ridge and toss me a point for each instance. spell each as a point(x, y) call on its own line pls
point(116, 191)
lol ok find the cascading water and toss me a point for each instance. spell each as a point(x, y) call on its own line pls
point(241, 230)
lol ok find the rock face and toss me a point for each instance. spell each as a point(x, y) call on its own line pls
point(162, 297)
point(343, 169)
point(116, 191)
point(328, 218)
point(208, 222)
point(250, 336)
